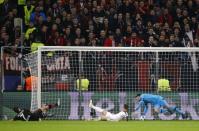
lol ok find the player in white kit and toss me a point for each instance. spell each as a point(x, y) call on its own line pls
point(105, 115)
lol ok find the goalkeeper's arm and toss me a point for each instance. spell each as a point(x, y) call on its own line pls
point(142, 117)
point(145, 109)
point(139, 105)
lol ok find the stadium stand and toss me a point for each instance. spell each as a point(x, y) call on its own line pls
point(162, 23)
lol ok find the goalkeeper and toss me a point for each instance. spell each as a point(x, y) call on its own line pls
point(27, 115)
point(160, 105)
point(105, 115)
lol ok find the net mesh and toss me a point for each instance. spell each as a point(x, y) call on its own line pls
point(32, 63)
point(113, 77)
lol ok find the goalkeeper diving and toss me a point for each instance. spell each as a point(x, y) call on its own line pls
point(37, 115)
point(108, 116)
point(159, 103)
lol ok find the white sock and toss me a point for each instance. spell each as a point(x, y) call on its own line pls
point(98, 109)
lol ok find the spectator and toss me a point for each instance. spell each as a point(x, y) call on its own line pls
point(163, 84)
point(134, 40)
point(30, 30)
point(28, 9)
point(118, 37)
point(109, 42)
point(77, 42)
point(126, 7)
point(142, 9)
point(162, 42)
point(151, 42)
point(5, 7)
point(84, 82)
point(36, 15)
point(4, 38)
point(177, 34)
point(173, 42)
point(37, 43)
point(166, 17)
point(28, 82)
point(139, 28)
point(68, 35)
point(120, 22)
point(102, 38)
point(106, 26)
point(43, 32)
point(152, 16)
point(79, 35)
point(91, 39)
point(58, 21)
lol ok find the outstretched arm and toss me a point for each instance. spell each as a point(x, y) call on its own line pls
point(145, 109)
point(139, 105)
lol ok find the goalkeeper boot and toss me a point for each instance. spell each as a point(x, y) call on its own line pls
point(185, 116)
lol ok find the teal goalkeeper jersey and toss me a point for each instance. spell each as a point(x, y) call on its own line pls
point(146, 99)
point(150, 98)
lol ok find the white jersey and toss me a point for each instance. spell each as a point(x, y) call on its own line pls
point(116, 117)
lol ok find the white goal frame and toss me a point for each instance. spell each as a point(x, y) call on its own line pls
point(116, 49)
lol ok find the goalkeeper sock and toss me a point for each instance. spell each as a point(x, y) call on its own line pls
point(98, 109)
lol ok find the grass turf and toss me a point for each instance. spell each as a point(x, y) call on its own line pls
point(100, 126)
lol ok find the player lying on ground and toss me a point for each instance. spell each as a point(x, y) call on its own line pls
point(159, 103)
point(105, 115)
point(27, 115)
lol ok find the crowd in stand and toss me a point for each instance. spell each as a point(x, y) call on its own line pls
point(135, 23)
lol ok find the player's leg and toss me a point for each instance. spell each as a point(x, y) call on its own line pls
point(165, 105)
point(102, 112)
point(178, 111)
point(158, 107)
point(22, 114)
point(172, 109)
point(157, 110)
point(98, 109)
point(18, 118)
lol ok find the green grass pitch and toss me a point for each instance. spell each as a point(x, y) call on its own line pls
point(100, 126)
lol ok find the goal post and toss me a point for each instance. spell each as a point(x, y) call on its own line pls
point(112, 76)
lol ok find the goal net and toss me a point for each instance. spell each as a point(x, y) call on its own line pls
point(112, 77)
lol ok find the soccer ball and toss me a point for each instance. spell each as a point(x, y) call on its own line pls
point(142, 118)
